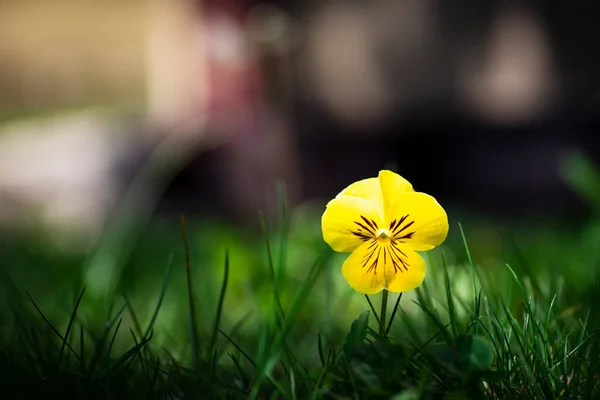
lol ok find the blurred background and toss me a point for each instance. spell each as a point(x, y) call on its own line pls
point(118, 116)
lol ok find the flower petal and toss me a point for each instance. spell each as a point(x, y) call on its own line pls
point(418, 220)
point(404, 268)
point(367, 189)
point(391, 185)
point(375, 265)
point(349, 221)
point(364, 269)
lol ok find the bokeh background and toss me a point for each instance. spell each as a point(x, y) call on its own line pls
point(116, 117)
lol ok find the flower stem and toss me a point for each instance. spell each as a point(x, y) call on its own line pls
point(393, 313)
point(384, 300)
point(373, 310)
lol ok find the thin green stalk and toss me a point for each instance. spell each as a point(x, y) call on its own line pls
point(275, 279)
point(382, 314)
point(71, 320)
point(193, 324)
point(373, 310)
point(473, 275)
point(387, 330)
point(213, 339)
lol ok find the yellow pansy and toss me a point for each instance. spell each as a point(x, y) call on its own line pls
point(383, 222)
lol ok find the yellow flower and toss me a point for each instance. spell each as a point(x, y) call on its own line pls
point(383, 222)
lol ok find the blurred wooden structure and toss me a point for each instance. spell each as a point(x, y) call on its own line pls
point(57, 54)
point(193, 70)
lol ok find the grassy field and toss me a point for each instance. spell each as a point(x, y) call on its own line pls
point(216, 311)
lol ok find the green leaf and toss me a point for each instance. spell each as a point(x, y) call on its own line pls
point(357, 334)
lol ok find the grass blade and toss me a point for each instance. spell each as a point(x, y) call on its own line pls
point(239, 369)
point(274, 277)
point(213, 339)
point(52, 327)
point(238, 348)
point(275, 349)
point(99, 344)
point(373, 310)
point(69, 325)
point(283, 233)
point(393, 313)
point(163, 291)
point(112, 340)
point(320, 349)
point(81, 347)
point(125, 357)
point(449, 298)
point(195, 339)
point(134, 318)
point(473, 272)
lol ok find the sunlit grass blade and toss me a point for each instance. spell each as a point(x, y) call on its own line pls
point(163, 291)
point(274, 278)
point(112, 340)
point(99, 344)
point(449, 298)
point(194, 336)
point(266, 334)
point(549, 315)
point(407, 325)
point(537, 333)
point(432, 314)
point(567, 355)
point(590, 386)
point(283, 233)
point(491, 329)
point(530, 359)
point(517, 252)
point(215, 331)
point(134, 317)
point(474, 274)
point(277, 273)
point(276, 347)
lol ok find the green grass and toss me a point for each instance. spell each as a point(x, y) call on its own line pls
point(509, 315)
point(489, 341)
